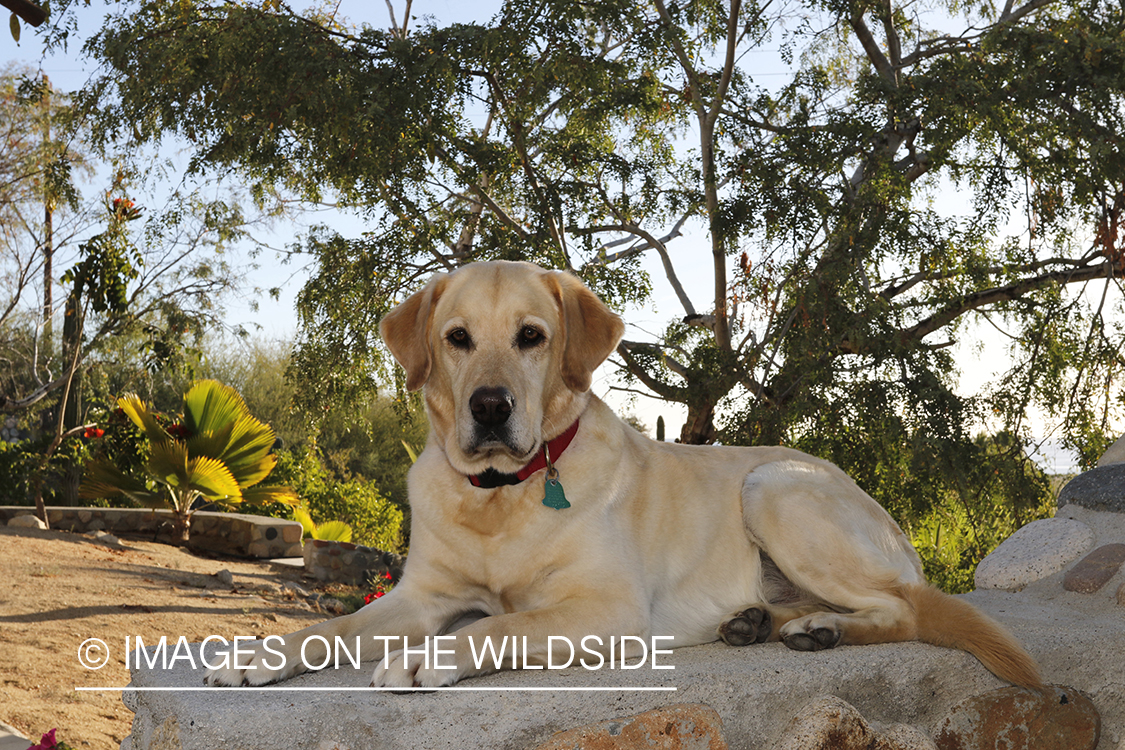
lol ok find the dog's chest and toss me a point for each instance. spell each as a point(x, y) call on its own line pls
point(510, 511)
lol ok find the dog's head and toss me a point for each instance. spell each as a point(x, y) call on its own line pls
point(505, 352)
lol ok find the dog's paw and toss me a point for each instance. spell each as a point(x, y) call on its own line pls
point(252, 664)
point(402, 670)
point(812, 633)
point(751, 625)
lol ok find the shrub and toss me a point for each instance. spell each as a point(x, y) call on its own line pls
point(215, 452)
point(375, 520)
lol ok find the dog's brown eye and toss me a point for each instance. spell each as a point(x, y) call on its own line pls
point(529, 337)
point(459, 337)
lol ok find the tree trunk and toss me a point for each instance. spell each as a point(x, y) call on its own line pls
point(699, 429)
point(181, 528)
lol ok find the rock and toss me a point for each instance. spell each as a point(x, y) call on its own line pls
point(330, 604)
point(1115, 454)
point(26, 521)
point(1102, 488)
point(904, 736)
point(1059, 719)
point(225, 577)
point(1035, 551)
point(1095, 569)
point(676, 727)
point(830, 723)
point(1121, 595)
point(297, 589)
point(102, 537)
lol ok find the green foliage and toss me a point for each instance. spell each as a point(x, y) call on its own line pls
point(365, 442)
point(336, 531)
point(15, 466)
point(216, 452)
point(20, 460)
point(374, 520)
point(109, 262)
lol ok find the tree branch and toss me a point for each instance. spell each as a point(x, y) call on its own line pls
point(871, 47)
point(1006, 293)
point(665, 391)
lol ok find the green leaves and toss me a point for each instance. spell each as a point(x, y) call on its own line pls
point(337, 531)
point(210, 406)
point(219, 452)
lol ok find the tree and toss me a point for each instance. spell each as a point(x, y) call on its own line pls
point(584, 135)
point(217, 452)
point(40, 211)
point(93, 286)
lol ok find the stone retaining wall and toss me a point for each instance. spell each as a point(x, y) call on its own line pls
point(228, 533)
point(350, 564)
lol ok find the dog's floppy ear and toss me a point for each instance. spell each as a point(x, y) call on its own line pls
point(406, 332)
point(590, 328)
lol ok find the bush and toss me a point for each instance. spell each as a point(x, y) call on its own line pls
point(19, 461)
point(375, 520)
point(16, 464)
point(364, 443)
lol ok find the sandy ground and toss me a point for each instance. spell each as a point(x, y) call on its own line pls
point(59, 589)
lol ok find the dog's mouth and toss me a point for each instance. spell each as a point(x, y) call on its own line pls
point(499, 450)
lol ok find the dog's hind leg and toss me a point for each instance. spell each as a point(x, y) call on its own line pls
point(838, 546)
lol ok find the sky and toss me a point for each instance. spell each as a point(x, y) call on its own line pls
point(276, 319)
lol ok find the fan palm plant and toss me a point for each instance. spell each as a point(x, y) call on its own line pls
point(217, 453)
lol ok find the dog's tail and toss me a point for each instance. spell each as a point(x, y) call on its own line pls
point(945, 620)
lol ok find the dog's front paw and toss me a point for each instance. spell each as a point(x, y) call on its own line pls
point(751, 625)
point(255, 663)
point(409, 670)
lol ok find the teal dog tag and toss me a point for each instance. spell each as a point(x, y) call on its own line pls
point(553, 496)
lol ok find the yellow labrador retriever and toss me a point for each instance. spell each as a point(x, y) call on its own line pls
point(540, 516)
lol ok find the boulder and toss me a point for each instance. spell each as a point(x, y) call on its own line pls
point(1101, 489)
point(1035, 551)
point(26, 521)
point(676, 727)
point(1060, 718)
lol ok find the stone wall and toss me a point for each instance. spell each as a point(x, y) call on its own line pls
point(228, 533)
point(347, 563)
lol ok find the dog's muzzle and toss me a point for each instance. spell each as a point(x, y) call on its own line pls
point(491, 408)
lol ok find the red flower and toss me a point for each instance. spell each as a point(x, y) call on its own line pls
point(372, 597)
point(93, 432)
point(48, 742)
point(179, 430)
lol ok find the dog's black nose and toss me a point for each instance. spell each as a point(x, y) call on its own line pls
point(491, 407)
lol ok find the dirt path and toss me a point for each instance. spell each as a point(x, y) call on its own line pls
point(58, 589)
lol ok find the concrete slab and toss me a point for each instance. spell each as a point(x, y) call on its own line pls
point(755, 690)
point(10, 739)
point(289, 562)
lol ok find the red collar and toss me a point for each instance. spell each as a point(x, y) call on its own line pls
point(492, 478)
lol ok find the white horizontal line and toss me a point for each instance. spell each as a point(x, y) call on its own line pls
point(274, 689)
